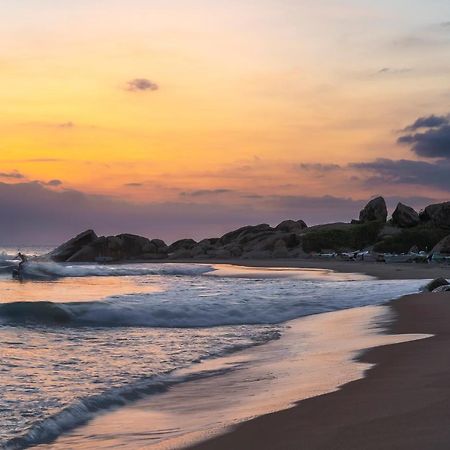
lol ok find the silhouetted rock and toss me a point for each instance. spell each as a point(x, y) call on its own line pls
point(72, 246)
point(182, 244)
point(432, 285)
point(444, 288)
point(375, 210)
point(280, 249)
point(443, 246)
point(405, 217)
point(291, 226)
point(244, 232)
point(438, 214)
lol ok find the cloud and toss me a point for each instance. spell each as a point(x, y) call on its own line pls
point(205, 192)
point(37, 214)
point(318, 167)
point(141, 84)
point(428, 122)
point(133, 184)
point(65, 125)
point(434, 139)
point(394, 70)
point(14, 174)
point(52, 183)
point(404, 171)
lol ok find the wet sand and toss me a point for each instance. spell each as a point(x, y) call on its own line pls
point(383, 271)
point(315, 355)
point(402, 403)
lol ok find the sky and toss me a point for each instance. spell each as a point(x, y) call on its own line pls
point(188, 118)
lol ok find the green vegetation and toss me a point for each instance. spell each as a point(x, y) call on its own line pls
point(424, 236)
point(355, 237)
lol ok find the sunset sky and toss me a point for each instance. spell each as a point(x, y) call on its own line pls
point(175, 118)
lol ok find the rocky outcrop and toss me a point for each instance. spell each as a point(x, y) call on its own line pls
point(445, 288)
point(182, 244)
point(443, 246)
point(72, 246)
point(405, 217)
point(290, 238)
point(87, 247)
point(243, 233)
point(291, 226)
point(375, 210)
point(434, 284)
point(438, 214)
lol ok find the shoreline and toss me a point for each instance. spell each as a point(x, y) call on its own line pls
point(379, 270)
point(315, 355)
point(401, 403)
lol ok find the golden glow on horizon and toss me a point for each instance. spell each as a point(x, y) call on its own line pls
point(264, 88)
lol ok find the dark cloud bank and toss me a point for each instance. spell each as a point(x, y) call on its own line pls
point(432, 139)
point(428, 137)
point(35, 214)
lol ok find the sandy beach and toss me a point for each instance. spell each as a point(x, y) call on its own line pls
point(402, 403)
point(389, 393)
point(382, 271)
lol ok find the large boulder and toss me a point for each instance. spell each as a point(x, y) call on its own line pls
point(438, 214)
point(434, 284)
point(132, 246)
point(375, 210)
point(72, 246)
point(405, 217)
point(445, 288)
point(245, 233)
point(182, 244)
point(280, 249)
point(443, 246)
point(291, 226)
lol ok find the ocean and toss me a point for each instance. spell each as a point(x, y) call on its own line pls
point(79, 339)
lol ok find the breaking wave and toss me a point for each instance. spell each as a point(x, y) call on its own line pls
point(49, 270)
point(189, 306)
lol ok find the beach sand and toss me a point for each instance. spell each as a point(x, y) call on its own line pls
point(383, 271)
point(402, 403)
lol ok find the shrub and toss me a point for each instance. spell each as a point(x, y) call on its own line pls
point(355, 237)
point(424, 236)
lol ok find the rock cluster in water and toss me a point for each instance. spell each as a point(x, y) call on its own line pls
point(407, 229)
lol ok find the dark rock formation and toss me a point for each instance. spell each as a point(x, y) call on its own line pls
point(69, 248)
point(375, 210)
point(290, 238)
point(87, 247)
point(244, 232)
point(405, 217)
point(438, 214)
point(182, 244)
point(443, 246)
point(291, 226)
point(432, 285)
point(445, 288)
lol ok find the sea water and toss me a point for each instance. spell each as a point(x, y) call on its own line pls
point(77, 340)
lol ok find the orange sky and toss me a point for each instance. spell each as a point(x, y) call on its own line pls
point(246, 93)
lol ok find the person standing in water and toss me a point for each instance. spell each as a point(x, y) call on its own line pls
point(23, 260)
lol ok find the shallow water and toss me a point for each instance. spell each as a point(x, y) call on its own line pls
point(83, 338)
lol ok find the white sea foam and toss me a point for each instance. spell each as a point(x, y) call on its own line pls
point(208, 302)
point(46, 270)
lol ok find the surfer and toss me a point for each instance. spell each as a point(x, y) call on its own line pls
point(23, 260)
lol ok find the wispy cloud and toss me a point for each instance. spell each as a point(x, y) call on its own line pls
point(205, 192)
point(15, 174)
point(140, 85)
